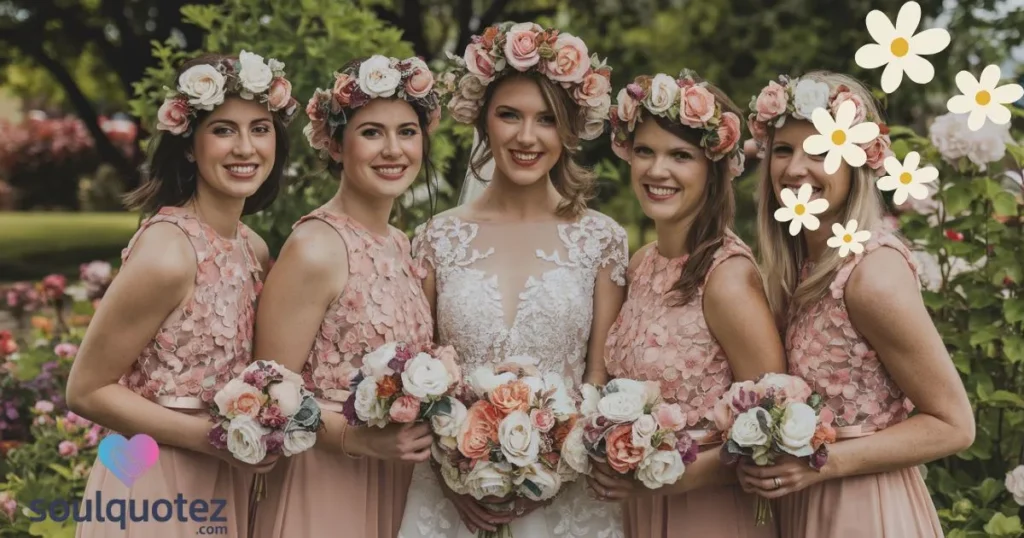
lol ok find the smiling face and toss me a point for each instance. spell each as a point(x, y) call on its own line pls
point(668, 174)
point(382, 148)
point(235, 148)
point(522, 130)
point(790, 167)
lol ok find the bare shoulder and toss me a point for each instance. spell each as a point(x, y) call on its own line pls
point(733, 279)
point(882, 278)
point(314, 249)
point(163, 255)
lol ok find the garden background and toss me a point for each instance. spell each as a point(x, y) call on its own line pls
point(76, 76)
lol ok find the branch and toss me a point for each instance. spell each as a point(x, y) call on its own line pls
point(493, 12)
point(412, 26)
point(464, 14)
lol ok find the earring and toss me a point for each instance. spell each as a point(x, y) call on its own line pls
point(190, 158)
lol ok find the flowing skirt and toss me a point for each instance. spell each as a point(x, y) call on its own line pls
point(323, 493)
point(573, 514)
point(885, 505)
point(184, 494)
point(712, 511)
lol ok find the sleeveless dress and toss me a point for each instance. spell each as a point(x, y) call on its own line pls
point(197, 350)
point(827, 351)
point(506, 289)
point(321, 492)
point(655, 340)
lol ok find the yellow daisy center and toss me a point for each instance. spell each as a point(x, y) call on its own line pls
point(847, 238)
point(983, 97)
point(799, 209)
point(906, 178)
point(899, 47)
point(838, 137)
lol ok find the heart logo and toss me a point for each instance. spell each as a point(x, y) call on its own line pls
point(128, 459)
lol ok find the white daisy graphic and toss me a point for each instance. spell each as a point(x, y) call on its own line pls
point(906, 179)
point(848, 239)
point(800, 210)
point(899, 49)
point(838, 138)
point(983, 99)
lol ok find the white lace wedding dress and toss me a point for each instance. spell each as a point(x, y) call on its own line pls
point(518, 289)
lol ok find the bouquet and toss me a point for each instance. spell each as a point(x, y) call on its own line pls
point(503, 436)
point(777, 414)
point(396, 385)
point(626, 424)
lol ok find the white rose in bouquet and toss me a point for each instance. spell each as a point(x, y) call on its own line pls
point(574, 452)
point(621, 406)
point(288, 396)
point(661, 468)
point(425, 377)
point(591, 397)
point(376, 362)
point(489, 479)
point(547, 481)
point(448, 424)
point(245, 439)
point(298, 441)
point(643, 429)
point(746, 430)
point(797, 428)
point(562, 404)
point(369, 408)
point(520, 443)
point(484, 380)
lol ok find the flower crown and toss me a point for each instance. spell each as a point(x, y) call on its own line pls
point(799, 97)
point(204, 87)
point(359, 82)
point(523, 47)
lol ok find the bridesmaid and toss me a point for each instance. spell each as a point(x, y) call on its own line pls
point(344, 285)
point(683, 324)
point(177, 322)
point(857, 332)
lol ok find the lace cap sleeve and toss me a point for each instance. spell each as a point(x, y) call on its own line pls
point(422, 248)
point(616, 250)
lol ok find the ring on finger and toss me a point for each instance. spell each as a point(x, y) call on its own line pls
point(778, 483)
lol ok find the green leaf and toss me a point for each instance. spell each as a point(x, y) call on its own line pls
point(1006, 397)
point(958, 198)
point(1013, 310)
point(1005, 204)
point(1002, 526)
point(532, 487)
point(62, 470)
point(1013, 347)
point(989, 490)
point(1017, 152)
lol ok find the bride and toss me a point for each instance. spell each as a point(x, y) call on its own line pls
point(523, 268)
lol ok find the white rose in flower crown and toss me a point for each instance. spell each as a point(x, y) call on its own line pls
point(621, 406)
point(484, 380)
point(591, 398)
point(546, 480)
point(288, 396)
point(298, 441)
point(643, 429)
point(448, 424)
point(369, 408)
point(376, 362)
point(807, 96)
point(664, 93)
point(425, 377)
point(797, 428)
point(1015, 484)
point(746, 430)
point(254, 74)
point(245, 439)
point(574, 452)
point(276, 66)
point(377, 78)
point(661, 468)
point(489, 479)
point(519, 442)
point(204, 86)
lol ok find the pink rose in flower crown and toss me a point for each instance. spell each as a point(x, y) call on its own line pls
point(669, 416)
point(521, 50)
point(419, 84)
point(771, 102)
point(279, 94)
point(728, 134)
point(843, 94)
point(343, 87)
point(628, 109)
point(696, 106)
point(878, 149)
point(405, 409)
point(313, 110)
point(173, 116)
point(571, 61)
point(623, 456)
point(594, 89)
point(478, 61)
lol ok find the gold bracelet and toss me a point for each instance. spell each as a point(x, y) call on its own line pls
point(344, 431)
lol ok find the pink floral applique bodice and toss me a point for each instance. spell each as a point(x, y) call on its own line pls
point(383, 301)
point(207, 341)
point(654, 340)
point(826, 350)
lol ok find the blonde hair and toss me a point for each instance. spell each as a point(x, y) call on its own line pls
point(782, 255)
point(572, 180)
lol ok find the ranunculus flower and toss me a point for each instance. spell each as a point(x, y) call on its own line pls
point(280, 94)
point(1015, 484)
point(571, 61)
point(643, 429)
point(479, 431)
point(376, 362)
point(519, 441)
point(623, 456)
point(664, 93)
point(514, 396)
point(542, 419)
point(521, 51)
point(544, 479)
point(621, 406)
point(67, 449)
point(369, 408)
point(661, 468)
point(448, 424)
point(489, 479)
point(669, 416)
point(254, 74)
point(377, 78)
point(728, 133)
point(288, 396)
point(245, 439)
point(479, 62)
point(824, 434)
point(797, 429)
point(204, 85)
point(746, 429)
point(405, 409)
point(173, 116)
point(238, 397)
point(771, 102)
point(298, 441)
point(696, 106)
point(809, 95)
point(425, 377)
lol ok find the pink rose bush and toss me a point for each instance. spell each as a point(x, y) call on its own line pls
point(396, 384)
point(505, 434)
point(511, 47)
point(266, 410)
point(627, 425)
point(777, 414)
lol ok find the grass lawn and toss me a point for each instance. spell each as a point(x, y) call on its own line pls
point(35, 244)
